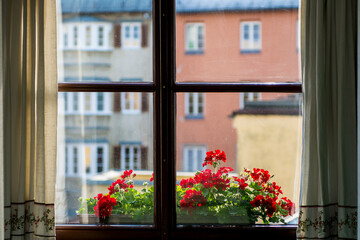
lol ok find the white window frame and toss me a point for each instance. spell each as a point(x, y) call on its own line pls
point(131, 148)
point(69, 107)
point(251, 47)
point(130, 42)
point(67, 31)
point(131, 109)
point(252, 97)
point(196, 164)
point(196, 105)
point(188, 28)
point(69, 152)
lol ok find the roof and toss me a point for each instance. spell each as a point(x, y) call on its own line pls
point(182, 6)
point(84, 19)
point(286, 106)
point(185, 6)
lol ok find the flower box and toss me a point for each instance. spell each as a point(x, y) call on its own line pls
point(114, 219)
point(212, 197)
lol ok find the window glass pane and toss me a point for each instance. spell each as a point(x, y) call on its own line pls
point(264, 132)
point(223, 41)
point(94, 150)
point(105, 41)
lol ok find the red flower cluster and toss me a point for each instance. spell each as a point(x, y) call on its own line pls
point(104, 205)
point(260, 176)
point(192, 199)
point(242, 182)
point(121, 182)
point(187, 183)
point(127, 174)
point(122, 185)
point(214, 157)
point(268, 203)
point(209, 179)
point(274, 189)
point(152, 178)
point(288, 205)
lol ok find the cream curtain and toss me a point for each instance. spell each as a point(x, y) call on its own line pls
point(30, 117)
point(329, 183)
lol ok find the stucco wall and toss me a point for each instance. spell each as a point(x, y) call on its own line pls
point(272, 142)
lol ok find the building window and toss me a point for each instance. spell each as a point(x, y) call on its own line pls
point(249, 97)
point(87, 103)
point(194, 38)
point(130, 157)
point(101, 36)
point(131, 35)
point(91, 157)
point(130, 102)
point(75, 36)
point(194, 105)
point(250, 37)
point(193, 157)
point(75, 158)
point(100, 159)
point(86, 35)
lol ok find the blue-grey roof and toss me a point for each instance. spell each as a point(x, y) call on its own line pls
point(182, 6)
point(84, 19)
point(105, 6)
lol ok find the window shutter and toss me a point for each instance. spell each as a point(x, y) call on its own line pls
point(117, 102)
point(117, 35)
point(144, 157)
point(144, 35)
point(117, 157)
point(144, 102)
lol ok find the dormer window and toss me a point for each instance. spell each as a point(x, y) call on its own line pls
point(86, 33)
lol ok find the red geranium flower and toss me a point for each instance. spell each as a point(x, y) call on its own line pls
point(152, 178)
point(257, 201)
point(192, 199)
point(187, 183)
point(104, 206)
point(214, 158)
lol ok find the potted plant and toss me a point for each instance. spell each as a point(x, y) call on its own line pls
point(212, 196)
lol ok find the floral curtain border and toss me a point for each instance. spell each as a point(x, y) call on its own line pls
point(330, 221)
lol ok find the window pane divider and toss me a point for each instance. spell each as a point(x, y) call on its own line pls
point(106, 87)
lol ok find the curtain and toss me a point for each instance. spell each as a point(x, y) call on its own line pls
point(29, 117)
point(328, 208)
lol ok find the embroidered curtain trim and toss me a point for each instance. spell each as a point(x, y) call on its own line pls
point(327, 222)
point(24, 218)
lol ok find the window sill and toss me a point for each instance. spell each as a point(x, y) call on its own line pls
point(199, 52)
point(250, 51)
point(181, 232)
point(190, 117)
point(88, 50)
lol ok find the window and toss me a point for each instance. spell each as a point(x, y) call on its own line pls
point(193, 157)
point(131, 103)
point(221, 77)
point(130, 157)
point(88, 33)
point(250, 37)
point(87, 103)
point(195, 38)
point(249, 97)
point(194, 105)
point(131, 35)
point(95, 158)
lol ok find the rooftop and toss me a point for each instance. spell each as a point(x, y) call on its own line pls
point(182, 6)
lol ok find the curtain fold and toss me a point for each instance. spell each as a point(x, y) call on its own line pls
point(329, 171)
point(30, 117)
